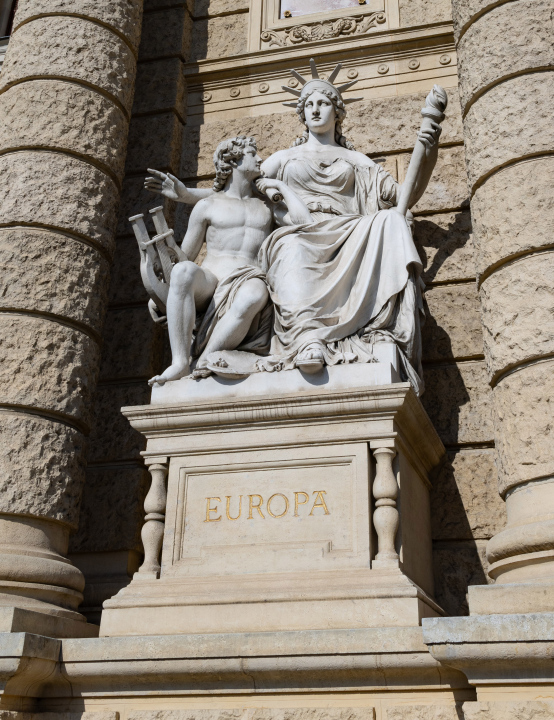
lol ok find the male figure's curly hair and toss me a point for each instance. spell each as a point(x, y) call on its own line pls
point(229, 150)
point(340, 113)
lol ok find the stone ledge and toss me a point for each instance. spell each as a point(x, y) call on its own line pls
point(513, 598)
point(26, 661)
point(361, 659)
point(495, 649)
point(16, 620)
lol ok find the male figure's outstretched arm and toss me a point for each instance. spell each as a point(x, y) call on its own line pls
point(172, 188)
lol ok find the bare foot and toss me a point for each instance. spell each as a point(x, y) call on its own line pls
point(201, 369)
point(173, 372)
point(311, 359)
point(201, 372)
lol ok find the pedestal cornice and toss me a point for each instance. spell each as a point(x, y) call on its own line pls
point(391, 411)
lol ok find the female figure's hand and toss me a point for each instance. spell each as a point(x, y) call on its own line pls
point(278, 190)
point(430, 135)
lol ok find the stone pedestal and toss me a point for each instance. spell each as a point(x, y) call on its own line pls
point(293, 503)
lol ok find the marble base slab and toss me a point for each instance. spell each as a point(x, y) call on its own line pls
point(286, 382)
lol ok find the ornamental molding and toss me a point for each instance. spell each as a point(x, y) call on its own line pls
point(323, 30)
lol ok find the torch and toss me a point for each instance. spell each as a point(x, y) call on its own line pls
point(435, 105)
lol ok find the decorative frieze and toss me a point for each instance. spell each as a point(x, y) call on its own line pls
point(311, 32)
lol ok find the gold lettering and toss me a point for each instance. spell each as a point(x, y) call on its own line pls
point(285, 511)
point(321, 503)
point(210, 509)
point(297, 501)
point(229, 516)
point(255, 502)
point(255, 507)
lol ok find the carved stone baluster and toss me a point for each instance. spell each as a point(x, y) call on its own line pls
point(385, 517)
point(153, 529)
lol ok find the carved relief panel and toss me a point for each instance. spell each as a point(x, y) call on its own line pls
point(297, 23)
point(293, 8)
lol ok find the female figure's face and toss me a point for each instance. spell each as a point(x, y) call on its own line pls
point(320, 113)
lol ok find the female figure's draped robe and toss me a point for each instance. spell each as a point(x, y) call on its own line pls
point(351, 277)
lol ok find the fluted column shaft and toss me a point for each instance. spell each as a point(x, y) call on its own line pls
point(66, 90)
point(506, 72)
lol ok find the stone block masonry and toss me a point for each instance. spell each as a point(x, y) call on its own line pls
point(66, 92)
point(506, 66)
point(107, 544)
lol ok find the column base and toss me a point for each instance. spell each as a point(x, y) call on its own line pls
point(511, 598)
point(523, 553)
point(40, 590)
point(17, 620)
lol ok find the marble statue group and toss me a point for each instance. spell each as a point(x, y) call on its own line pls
point(310, 259)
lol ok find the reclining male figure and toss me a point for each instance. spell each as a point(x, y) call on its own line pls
point(229, 287)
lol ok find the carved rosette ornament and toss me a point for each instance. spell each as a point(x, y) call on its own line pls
point(311, 32)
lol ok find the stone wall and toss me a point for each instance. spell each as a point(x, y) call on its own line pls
point(466, 507)
point(107, 545)
point(66, 91)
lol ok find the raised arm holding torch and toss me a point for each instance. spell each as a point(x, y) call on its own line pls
point(425, 151)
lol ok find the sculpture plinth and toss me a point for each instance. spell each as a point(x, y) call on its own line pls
point(303, 509)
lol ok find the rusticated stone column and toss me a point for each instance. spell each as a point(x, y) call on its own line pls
point(66, 90)
point(506, 70)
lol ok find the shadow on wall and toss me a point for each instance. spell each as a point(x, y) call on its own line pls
point(107, 545)
point(457, 556)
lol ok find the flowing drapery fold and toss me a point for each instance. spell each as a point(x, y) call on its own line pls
point(350, 278)
point(259, 336)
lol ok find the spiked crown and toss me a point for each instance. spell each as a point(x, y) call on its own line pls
point(318, 83)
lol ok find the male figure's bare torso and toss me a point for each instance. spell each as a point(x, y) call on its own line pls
point(234, 232)
point(233, 229)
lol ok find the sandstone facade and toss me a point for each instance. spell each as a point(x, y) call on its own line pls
point(94, 93)
point(69, 68)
